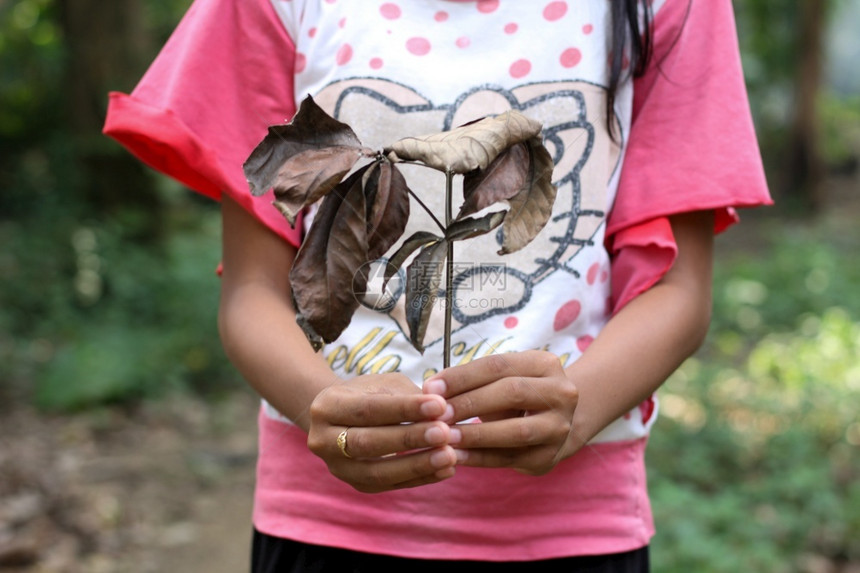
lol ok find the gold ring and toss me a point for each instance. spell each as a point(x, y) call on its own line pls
point(341, 443)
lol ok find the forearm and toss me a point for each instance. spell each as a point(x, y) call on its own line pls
point(650, 337)
point(535, 413)
point(256, 319)
point(637, 350)
point(385, 414)
point(263, 341)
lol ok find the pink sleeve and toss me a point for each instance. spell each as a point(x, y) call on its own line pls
point(224, 76)
point(692, 143)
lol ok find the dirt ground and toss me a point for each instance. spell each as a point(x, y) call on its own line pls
point(160, 487)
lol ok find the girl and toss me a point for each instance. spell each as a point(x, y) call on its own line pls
point(557, 349)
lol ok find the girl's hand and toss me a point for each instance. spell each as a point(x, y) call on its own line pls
point(394, 437)
point(526, 404)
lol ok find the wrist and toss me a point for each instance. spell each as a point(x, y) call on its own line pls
point(597, 407)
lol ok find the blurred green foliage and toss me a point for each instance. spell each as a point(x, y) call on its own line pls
point(99, 303)
point(771, 50)
point(840, 126)
point(90, 318)
point(755, 460)
point(31, 112)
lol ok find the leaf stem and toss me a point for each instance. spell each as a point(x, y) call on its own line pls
point(427, 209)
point(449, 271)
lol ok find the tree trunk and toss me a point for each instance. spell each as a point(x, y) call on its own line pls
point(805, 169)
point(108, 49)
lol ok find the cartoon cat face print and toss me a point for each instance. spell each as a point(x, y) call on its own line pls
point(486, 284)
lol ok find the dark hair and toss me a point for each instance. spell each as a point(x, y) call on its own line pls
point(626, 25)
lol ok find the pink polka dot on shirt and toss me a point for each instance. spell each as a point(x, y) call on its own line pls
point(566, 315)
point(418, 46)
point(593, 270)
point(487, 6)
point(555, 11)
point(520, 68)
point(570, 57)
point(583, 342)
point(344, 55)
point(511, 28)
point(390, 11)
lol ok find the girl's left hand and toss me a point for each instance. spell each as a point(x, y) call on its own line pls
point(526, 404)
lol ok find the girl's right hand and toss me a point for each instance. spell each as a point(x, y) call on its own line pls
point(394, 439)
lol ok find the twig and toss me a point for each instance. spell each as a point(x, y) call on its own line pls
point(449, 271)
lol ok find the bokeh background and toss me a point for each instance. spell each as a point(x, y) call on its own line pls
point(127, 440)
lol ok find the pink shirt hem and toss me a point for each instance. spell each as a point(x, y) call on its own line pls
point(593, 503)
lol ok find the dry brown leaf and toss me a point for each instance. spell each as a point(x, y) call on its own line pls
point(327, 273)
point(409, 246)
point(500, 181)
point(305, 178)
point(423, 278)
point(388, 207)
point(360, 218)
point(310, 129)
point(474, 226)
point(531, 207)
point(469, 147)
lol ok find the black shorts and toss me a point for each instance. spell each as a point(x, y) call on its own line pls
point(275, 555)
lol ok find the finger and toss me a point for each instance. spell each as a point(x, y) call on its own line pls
point(382, 474)
point(345, 406)
point(441, 475)
point(465, 377)
point(532, 461)
point(508, 394)
point(502, 415)
point(515, 433)
point(374, 442)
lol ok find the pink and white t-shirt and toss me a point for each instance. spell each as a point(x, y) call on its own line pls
point(391, 69)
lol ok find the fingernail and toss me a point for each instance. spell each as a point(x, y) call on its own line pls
point(455, 436)
point(434, 435)
point(446, 473)
point(436, 386)
point(462, 456)
point(432, 408)
point(449, 413)
point(441, 459)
